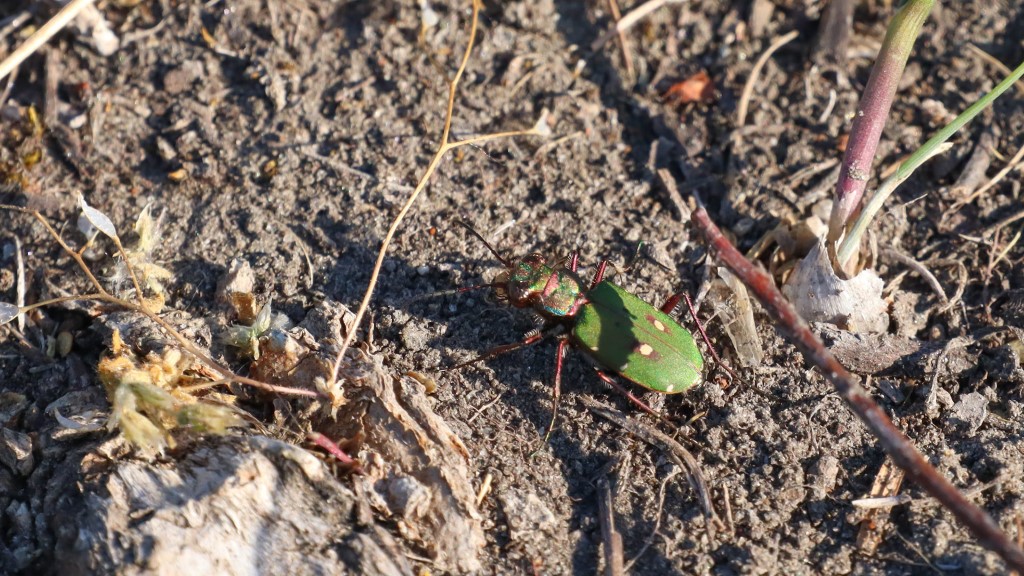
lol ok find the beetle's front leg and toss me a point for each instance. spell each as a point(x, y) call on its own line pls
point(556, 390)
point(531, 338)
point(573, 261)
point(599, 275)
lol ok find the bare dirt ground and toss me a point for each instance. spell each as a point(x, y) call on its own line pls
point(348, 99)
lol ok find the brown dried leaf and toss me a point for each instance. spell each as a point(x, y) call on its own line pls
point(696, 88)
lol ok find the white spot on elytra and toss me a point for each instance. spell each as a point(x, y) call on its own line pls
point(645, 350)
point(670, 388)
point(623, 367)
point(659, 325)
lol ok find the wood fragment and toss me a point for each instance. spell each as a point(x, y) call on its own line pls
point(485, 489)
point(874, 523)
point(833, 41)
point(675, 451)
point(973, 173)
point(610, 536)
point(669, 182)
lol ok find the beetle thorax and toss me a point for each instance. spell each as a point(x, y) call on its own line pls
point(551, 291)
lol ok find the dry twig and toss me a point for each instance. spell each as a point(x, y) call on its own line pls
point(627, 53)
point(899, 447)
point(995, 62)
point(609, 534)
point(629, 20)
point(755, 73)
point(676, 451)
point(443, 148)
point(54, 25)
point(1013, 163)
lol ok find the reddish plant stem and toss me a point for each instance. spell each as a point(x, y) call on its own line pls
point(903, 453)
point(332, 448)
point(872, 112)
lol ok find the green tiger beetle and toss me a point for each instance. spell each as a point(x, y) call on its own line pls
point(620, 332)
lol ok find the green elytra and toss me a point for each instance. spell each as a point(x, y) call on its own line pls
point(640, 342)
point(619, 331)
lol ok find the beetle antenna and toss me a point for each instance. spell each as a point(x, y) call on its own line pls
point(451, 292)
point(504, 261)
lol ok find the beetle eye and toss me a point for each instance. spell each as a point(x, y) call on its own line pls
point(500, 292)
point(534, 260)
point(518, 290)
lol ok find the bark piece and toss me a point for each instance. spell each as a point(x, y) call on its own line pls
point(833, 39)
point(417, 469)
point(888, 353)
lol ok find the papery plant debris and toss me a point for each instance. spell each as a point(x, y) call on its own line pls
point(248, 337)
point(151, 394)
point(146, 392)
point(148, 399)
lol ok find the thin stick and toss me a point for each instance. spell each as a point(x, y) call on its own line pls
point(609, 534)
point(921, 269)
point(74, 254)
point(485, 489)
point(728, 508)
point(1002, 224)
point(131, 271)
point(755, 73)
point(657, 520)
point(627, 53)
point(19, 293)
point(443, 149)
point(59, 300)
point(14, 21)
point(669, 183)
point(630, 20)
point(675, 451)
point(995, 62)
point(903, 453)
point(1013, 163)
point(56, 24)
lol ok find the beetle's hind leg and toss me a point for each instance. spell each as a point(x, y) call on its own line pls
point(640, 403)
point(669, 307)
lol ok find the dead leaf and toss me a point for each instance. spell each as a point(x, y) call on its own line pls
point(696, 88)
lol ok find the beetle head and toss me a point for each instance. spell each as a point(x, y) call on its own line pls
point(525, 280)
